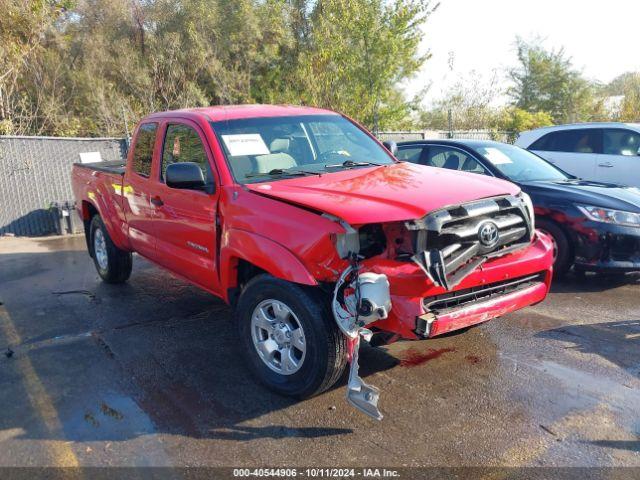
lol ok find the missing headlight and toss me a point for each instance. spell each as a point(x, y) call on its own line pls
point(372, 240)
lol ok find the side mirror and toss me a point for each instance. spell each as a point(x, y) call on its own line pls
point(391, 146)
point(186, 175)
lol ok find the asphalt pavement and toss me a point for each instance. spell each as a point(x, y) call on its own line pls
point(150, 374)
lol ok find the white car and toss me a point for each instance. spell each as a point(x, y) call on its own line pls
point(607, 152)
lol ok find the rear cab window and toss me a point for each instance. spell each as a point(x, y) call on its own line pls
point(143, 149)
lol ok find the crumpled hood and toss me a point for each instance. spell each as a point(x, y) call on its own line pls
point(398, 192)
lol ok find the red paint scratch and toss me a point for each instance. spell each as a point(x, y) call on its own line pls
point(414, 357)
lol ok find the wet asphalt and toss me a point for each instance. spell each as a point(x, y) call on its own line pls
point(150, 373)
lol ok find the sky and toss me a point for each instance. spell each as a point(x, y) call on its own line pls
point(602, 37)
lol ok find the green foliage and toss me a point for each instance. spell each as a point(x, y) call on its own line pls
point(626, 86)
point(545, 81)
point(358, 52)
point(86, 68)
point(517, 120)
point(470, 104)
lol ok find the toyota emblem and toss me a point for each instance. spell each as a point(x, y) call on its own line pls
point(488, 234)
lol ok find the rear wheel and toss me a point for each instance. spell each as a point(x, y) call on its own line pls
point(562, 252)
point(290, 341)
point(113, 264)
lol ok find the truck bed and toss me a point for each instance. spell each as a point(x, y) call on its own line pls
point(116, 167)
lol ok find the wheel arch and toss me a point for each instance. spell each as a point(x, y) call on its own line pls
point(245, 255)
point(568, 233)
point(96, 205)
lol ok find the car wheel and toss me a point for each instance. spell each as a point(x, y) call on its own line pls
point(113, 264)
point(290, 340)
point(562, 252)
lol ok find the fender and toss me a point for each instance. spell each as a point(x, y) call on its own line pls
point(108, 211)
point(262, 252)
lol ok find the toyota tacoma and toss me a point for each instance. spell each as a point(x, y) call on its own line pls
point(316, 235)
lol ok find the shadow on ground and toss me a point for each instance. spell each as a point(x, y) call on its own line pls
point(631, 445)
point(617, 342)
point(118, 362)
point(592, 282)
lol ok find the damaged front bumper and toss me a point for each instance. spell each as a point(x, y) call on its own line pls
point(417, 307)
point(413, 294)
point(481, 305)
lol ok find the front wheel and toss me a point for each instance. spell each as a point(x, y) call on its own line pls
point(290, 340)
point(562, 252)
point(113, 265)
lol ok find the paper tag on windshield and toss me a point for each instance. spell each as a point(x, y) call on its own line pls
point(496, 157)
point(245, 144)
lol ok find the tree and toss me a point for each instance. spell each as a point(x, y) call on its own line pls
point(545, 81)
point(470, 104)
point(89, 67)
point(516, 120)
point(357, 53)
point(627, 88)
point(23, 26)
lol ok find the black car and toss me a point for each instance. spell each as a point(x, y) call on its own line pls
point(595, 226)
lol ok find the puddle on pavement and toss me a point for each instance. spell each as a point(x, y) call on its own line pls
point(41, 244)
point(114, 418)
point(596, 385)
point(535, 321)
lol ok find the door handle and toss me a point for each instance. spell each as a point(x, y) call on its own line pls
point(157, 201)
point(606, 165)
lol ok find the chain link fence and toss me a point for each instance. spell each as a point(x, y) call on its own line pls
point(35, 181)
point(35, 175)
point(403, 136)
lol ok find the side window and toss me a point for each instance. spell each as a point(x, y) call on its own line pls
point(470, 164)
point(572, 141)
point(143, 148)
point(410, 154)
point(542, 144)
point(183, 144)
point(617, 141)
point(453, 159)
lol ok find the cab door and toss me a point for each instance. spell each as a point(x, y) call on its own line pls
point(573, 150)
point(135, 191)
point(185, 220)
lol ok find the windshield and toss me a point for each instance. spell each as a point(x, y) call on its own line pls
point(258, 149)
point(520, 165)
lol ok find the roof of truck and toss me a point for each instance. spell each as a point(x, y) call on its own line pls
point(234, 112)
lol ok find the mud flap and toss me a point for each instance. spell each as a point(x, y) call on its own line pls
point(362, 396)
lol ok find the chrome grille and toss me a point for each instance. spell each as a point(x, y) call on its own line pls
point(452, 242)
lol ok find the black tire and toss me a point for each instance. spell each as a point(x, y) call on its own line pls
point(564, 255)
point(119, 262)
point(326, 347)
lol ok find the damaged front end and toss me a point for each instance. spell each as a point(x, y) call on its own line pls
point(447, 245)
point(453, 242)
point(360, 299)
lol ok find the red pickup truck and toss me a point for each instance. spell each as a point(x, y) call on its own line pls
point(315, 233)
